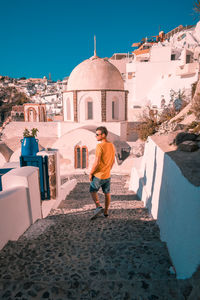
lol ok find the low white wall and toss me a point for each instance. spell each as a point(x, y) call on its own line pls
point(14, 129)
point(58, 129)
point(174, 202)
point(13, 219)
point(20, 203)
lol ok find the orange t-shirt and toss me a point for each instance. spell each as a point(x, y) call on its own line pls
point(106, 151)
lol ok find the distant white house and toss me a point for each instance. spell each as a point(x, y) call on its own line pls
point(53, 103)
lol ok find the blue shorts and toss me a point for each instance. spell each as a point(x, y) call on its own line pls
point(97, 183)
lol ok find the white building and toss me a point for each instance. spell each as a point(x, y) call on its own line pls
point(53, 103)
point(95, 93)
point(119, 60)
point(159, 67)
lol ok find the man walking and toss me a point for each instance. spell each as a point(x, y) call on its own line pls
point(100, 172)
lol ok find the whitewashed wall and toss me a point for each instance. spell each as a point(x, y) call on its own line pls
point(174, 202)
point(14, 129)
point(110, 96)
point(147, 75)
point(20, 203)
point(58, 129)
point(67, 96)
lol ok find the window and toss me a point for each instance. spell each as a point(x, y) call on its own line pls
point(173, 56)
point(84, 157)
point(188, 59)
point(80, 157)
point(115, 109)
point(89, 110)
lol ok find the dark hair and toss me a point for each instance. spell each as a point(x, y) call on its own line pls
point(103, 130)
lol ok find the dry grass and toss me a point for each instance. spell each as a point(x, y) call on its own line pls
point(196, 105)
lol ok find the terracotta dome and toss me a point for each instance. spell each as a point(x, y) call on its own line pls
point(95, 73)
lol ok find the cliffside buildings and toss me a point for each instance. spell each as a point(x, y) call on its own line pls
point(163, 66)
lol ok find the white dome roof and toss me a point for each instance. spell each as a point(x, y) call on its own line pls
point(95, 73)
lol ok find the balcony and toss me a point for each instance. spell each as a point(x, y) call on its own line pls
point(187, 69)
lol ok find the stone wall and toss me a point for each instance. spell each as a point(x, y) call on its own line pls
point(75, 105)
point(103, 106)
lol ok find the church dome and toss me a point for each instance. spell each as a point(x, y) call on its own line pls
point(95, 73)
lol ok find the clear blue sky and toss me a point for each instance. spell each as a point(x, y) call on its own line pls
point(39, 37)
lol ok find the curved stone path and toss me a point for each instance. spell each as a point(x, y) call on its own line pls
point(68, 256)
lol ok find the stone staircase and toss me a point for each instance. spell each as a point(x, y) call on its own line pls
point(68, 256)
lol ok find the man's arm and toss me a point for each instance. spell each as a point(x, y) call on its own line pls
point(94, 166)
point(113, 163)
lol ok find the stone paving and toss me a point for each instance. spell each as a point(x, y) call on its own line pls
point(68, 256)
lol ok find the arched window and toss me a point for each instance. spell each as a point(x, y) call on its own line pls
point(115, 108)
point(80, 157)
point(68, 109)
point(84, 157)
point(89, 108)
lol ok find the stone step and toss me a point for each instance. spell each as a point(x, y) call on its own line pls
point(93, 289)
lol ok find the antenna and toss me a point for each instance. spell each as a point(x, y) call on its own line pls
point(95, 52)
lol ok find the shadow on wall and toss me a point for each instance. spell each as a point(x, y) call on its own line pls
point(153, 186)
point(5, 151)
point(122, 151)
point(178, 219)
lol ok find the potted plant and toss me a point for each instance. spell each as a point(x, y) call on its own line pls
point(29, 144)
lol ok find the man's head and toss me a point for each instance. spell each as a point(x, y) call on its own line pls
point(101, 133)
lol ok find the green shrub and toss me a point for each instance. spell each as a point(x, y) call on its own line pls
point(167, 114)
point(189, 112)
point(146, 129)
point(32, 133)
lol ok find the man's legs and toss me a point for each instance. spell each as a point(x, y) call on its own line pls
point(99, 208)
point(107, 203)
point(95, 198)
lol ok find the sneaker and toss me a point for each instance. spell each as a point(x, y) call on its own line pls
point(97, 212)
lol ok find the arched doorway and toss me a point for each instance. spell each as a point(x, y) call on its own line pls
point(42, 114)
point(31, 114)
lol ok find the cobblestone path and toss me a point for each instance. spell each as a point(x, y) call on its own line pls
point(68, 256)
